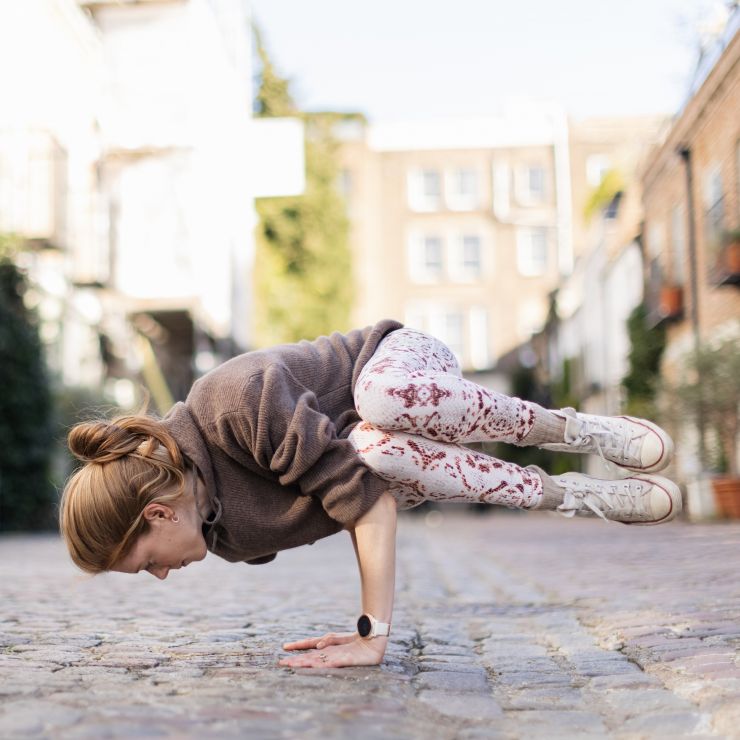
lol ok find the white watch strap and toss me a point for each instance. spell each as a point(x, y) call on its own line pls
point(379, 629)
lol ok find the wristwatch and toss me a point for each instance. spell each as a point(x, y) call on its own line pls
point(368, 626)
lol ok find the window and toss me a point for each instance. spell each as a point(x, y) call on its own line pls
point(530, 185)
point(450, 328)
point(462, 189)
point(536, 183)
point(597, 165)
point(424, 190)
point(678, 241)
point(466, 258)
point(471, 253)
point(532, 251)
point(426, 258)
point(432, 254)
point(714, 210)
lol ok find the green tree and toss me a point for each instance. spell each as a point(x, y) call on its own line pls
point(303, 259)
point(27, 493)
point(643, 377)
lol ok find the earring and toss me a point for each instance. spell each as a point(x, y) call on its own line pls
point(175, 519)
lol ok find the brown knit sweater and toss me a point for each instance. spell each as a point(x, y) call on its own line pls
point(267, 432)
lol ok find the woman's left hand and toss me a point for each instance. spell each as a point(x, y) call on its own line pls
point(358, 652)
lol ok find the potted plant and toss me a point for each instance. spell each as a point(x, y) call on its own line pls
point(709, 393)
point(730, 256)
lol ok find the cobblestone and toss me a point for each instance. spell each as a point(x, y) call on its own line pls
point(506, 626)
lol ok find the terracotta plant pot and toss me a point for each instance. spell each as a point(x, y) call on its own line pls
point(671, 301)
point(731, 258)
point(727, 496)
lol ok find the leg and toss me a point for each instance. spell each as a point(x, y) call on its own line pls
point(413, 383)
point(421, 469)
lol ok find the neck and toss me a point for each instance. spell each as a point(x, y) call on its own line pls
point(202, 504)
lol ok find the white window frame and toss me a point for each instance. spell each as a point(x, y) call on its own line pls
point(524, 194)
point(456, 199)
point(458, 271)
point(418, 199)
point(527, 263)
point(418, 268)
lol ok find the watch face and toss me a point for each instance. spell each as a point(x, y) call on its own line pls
point(364, 626)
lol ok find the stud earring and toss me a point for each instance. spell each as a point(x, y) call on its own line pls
point(175, 519)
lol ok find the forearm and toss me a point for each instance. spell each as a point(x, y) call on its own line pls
point(374, 539)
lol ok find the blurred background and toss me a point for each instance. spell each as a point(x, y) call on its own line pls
point(550, 188)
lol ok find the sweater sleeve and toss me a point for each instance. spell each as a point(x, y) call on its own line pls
point(281, 425)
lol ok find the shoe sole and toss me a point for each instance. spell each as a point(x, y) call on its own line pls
point(667, 455)
point(674, 496)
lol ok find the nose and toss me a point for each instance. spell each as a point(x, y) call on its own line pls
point(160, 573)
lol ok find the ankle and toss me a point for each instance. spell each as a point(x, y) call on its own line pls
point(548, 428)
point(552, 494)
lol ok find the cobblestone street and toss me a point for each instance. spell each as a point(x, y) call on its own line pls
point(506, 625)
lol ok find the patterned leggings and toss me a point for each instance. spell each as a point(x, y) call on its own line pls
point(416, 409)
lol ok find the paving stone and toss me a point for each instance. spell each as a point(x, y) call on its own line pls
point(463, 706)
point(449, 681)
point(487, 642)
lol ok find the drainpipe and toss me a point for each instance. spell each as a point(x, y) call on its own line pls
point(685, 153)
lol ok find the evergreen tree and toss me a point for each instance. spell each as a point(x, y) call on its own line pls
point(26, 492)
point(303, 259)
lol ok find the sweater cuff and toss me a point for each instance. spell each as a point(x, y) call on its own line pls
point(349, 511)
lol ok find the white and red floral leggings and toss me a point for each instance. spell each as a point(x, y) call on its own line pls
point(417, 409)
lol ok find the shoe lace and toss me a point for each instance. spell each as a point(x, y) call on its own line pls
point(616, 438)
point(627, 497)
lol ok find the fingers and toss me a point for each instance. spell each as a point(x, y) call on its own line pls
point(331, 638)
point(306, 644)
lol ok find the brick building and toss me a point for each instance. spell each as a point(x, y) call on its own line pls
point(692, 205)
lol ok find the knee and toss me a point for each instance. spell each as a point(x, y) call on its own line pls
point(374, 446)
point(372, 398)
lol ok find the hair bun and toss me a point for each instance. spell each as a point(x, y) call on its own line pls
point(101, 441)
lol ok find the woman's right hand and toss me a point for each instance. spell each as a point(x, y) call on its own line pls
point(330, 638)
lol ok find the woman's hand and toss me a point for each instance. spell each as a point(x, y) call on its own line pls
point(340, 653)
point(330, 638)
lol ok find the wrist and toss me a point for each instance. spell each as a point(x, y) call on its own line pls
point(369, 626)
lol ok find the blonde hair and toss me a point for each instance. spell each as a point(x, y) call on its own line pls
point(129, 462)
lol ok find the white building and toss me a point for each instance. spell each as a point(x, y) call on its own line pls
point(135, 163)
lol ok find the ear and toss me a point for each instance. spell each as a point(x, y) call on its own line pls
point(157, 512)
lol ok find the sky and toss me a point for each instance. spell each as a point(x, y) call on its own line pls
point(412, 59)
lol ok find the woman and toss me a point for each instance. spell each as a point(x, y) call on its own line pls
point(279, 447)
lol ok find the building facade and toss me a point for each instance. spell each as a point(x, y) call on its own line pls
point(129, 159)
point(464, 228)
point(692, 208)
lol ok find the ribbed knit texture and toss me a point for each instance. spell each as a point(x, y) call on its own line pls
point(552, 493)
point(268, 431)
point(548, 427)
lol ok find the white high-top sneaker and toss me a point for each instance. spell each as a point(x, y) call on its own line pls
point(636, 444)
point(640, 499)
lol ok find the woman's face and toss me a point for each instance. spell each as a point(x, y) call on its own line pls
point(174, 539)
